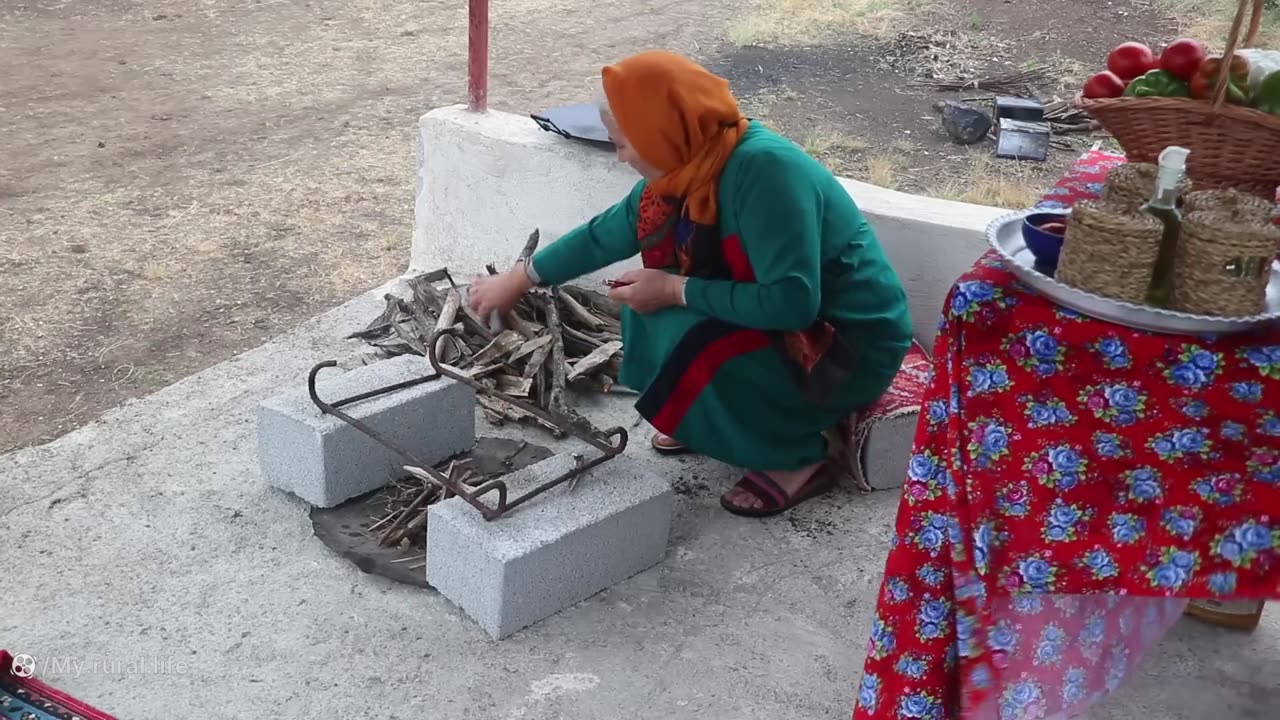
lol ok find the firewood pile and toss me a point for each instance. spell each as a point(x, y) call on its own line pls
point(404, 503)
point(553, 339)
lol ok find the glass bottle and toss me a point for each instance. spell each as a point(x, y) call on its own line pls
point(1163, 205)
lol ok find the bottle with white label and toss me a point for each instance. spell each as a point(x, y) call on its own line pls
point(1163, 205)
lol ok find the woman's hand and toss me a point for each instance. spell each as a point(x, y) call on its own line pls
point(498, 293)
point(648, 291)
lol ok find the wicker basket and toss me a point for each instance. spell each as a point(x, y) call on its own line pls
point(1231, 146)
point(1228, 201)
point(1110, 250)
point(1132, 184)
point(1223, 263)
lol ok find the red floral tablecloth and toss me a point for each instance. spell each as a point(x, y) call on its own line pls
point(1072, 483)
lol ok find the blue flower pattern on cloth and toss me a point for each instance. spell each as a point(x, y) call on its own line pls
point(1071, 483)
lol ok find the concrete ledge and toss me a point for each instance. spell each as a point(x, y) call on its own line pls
point(887, 451)
point(326, 462)
point(553, 552)
point(485, 180)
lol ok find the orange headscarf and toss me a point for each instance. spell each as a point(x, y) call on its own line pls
point(680, 118)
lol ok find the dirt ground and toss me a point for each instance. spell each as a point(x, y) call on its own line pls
point(858, 104)
point(184, 179)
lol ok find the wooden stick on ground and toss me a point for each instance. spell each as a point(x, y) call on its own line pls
point(497, 323)
point(555, 399)
point(598, 357)
point(578, 312)
point(394, 533)
point(581, 337)
point(448, 314)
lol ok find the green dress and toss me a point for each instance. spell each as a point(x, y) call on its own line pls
point(794, 318)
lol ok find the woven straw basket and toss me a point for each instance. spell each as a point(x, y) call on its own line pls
point(1110, 250)
point(1130, 185)
point(1223, 263)
point(1231, 146)
point(1230, 202)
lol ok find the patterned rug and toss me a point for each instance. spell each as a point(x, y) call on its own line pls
point(23, 697)
point(902, 398)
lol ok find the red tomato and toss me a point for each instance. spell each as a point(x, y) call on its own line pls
point(1131, 60)
point(1181, 58)
point(1104, 85)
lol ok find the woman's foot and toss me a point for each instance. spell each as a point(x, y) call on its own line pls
point(760, 494)
point(667, 445)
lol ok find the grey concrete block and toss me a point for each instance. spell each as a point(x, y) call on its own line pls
point(553, 552)
point(325, 461)
point(888, 450)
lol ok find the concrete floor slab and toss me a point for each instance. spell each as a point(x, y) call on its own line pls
point(150, 536)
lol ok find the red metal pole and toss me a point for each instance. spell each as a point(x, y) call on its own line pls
point(478, 56)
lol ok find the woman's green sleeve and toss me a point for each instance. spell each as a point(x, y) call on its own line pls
point(779, 214)
point(607, 238)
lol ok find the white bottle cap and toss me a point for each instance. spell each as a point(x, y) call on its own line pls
point(1174, 156)
point(1173, 165)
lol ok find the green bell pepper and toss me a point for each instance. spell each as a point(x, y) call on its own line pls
point(1267, 98)
point(1157, 83)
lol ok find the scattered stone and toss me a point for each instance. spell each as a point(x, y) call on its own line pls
point(964, 123)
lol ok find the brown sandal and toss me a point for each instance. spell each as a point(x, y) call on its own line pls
point(773, 499)
point(670, 447)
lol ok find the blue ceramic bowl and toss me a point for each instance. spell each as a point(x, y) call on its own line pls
point(1044, 245)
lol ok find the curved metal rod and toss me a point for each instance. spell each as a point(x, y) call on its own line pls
point(332, 408)
point(412, 464)
point(610, 442)
point(469, 495)
point(488, 487)
point(621, 434)
point(311, 385)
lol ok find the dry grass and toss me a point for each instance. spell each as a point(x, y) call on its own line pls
point(1209, 21)
point(834, 149)
point(905, 147)
point(885, 169)
point(812, 22)
point(971, 175)
point(198, 229)
point(846, 155)
point(760, 104)
point(826, 143)
point(1067, 74)
point(987, 181)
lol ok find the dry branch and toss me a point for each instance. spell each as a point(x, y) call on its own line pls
point(555, 398)
point(553, 339)
point(448, 315)
point(598, 357)
point(1021, 83)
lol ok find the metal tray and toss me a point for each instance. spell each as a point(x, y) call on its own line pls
point(1005, 235)
point(575, 122)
